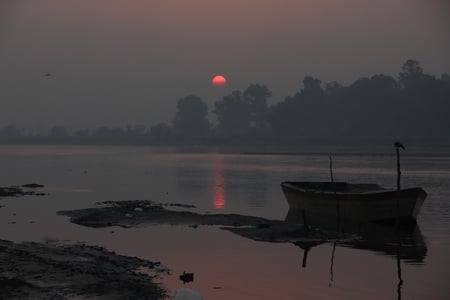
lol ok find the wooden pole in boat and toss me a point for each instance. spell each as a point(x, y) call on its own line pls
point(399, 172)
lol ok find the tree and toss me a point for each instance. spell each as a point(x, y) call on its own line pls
point(233, 114)
point(311, 84)
point(333, 88)
point(82, 133)
point(59, 132)
point(109, 135)
point(302, 115)
point(10, 133)
point(445, 78)
point(256, 96)
point(284, 118)
point(191, 118)
point(160, 132)
point(411, 73)
point(135, 130)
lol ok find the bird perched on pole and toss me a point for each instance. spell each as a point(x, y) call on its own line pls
point(399, 145)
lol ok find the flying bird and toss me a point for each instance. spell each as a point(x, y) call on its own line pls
point(399, 145)
point(48, 75)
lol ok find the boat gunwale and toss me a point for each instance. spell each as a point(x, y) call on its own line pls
point(381, 190)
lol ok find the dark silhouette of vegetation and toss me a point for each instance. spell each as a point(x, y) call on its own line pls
point(10, 134)
point(380, 107)
point(413, 106)
point(233, 114)
point(59, 133)
point(256, 96)
point(242, 114)
point(191, 118)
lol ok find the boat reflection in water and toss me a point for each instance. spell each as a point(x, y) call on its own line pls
point(403, 242)
point(406, 243)
point(383, 238)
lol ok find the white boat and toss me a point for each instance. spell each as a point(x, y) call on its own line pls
point(331, 202)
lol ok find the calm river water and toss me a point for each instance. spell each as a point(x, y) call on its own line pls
point(227, 266)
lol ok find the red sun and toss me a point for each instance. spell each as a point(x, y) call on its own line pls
point(219, 81)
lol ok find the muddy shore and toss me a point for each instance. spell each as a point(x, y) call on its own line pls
point(138, 213)
point(50, 270)
point(28, 189)
point(32, 270)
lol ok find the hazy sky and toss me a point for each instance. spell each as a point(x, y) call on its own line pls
point(119, 62)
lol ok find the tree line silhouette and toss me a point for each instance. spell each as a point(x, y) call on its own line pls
point(413, 106)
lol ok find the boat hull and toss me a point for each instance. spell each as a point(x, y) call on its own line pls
point(328, 206)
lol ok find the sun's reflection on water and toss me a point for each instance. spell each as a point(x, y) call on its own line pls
point(219, 185)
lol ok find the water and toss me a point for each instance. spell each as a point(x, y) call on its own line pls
point(227, 266)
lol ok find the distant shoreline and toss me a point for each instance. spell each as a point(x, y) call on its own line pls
point(380, 150)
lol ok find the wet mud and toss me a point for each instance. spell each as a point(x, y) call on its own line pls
point(23, 190)
point(32, 270)
point(140, 213)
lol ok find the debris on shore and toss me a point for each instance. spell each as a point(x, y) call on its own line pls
point(186, 277)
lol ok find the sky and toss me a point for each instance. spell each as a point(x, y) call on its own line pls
point(124, 62)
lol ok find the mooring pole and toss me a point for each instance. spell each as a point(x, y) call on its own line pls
point(305, 257)
point(331, 169)
point(399, 172)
